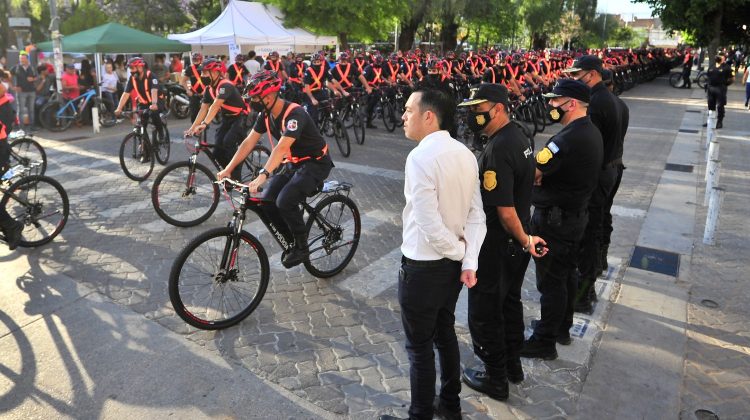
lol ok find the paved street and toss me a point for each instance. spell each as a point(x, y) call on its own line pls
point(334, 348)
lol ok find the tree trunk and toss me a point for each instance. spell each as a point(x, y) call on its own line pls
point(715, 42)
point(538, 41)
point(449, 35)
point(343, 41)
point(409, 27)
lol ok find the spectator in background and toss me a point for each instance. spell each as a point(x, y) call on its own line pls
point(252, 65)
point(6, 90)
point(175, 65)
point(45, 85)
point(3, 62)
point(159, 69)
point(109, 87)
point(24, 76)
point(224, 60)
point(122, 73)
point(70, 82)
point(87, 78)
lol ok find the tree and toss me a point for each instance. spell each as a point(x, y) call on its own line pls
point(203, 12)
point(84, 15)
point(411, 21)
point(155, 16)
point(540, 16)
point(352, 18)
point(708, 22)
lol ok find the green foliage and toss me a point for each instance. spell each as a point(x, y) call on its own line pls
point(155, 16)
point(86, 14)
point(203, 12)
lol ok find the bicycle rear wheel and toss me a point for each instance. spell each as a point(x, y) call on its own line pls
point(184, 197)
point(358, 126)
point(27, 152)
point(342, 137)
point(51, 121)
point(702, 80)
point(675, 80)
point(208, 296)
point(333, 235)
point(106, 114)
point(136, 157)
point(41, 204)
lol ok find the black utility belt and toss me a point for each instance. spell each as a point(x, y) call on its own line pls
point(427, 263)
point(564, 213)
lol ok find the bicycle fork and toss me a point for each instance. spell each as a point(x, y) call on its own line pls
point(227, 269)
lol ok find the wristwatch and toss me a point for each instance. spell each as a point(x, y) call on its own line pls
point(264, 171)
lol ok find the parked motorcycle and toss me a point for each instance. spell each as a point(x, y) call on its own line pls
point(177, 101)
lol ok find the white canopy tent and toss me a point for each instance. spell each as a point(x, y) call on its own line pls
point(254, 24)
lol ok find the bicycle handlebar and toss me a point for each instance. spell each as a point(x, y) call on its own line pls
point(235, 184)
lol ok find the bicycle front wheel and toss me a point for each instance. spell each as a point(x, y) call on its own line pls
point(358, 125)
point(212, 296)
point(53, 121)
point(333, 232)
point(675, 80)
point(185, 196)
point(28, 152)
point(389, 116)
point(41, 204)
point(162, 144)
point(136, 157)
point(342, 137)
point(702, 80)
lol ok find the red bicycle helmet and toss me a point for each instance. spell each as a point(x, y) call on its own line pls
point(263, 83)
point(136, 62)
point(212, 64)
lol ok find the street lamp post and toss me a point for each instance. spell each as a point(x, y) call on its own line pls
point(56, 44)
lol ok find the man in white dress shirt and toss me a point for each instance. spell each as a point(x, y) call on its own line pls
point(444, 226)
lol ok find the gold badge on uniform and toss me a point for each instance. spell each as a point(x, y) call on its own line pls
point(480, 120)
point(544, 156)
point(489, 180)
point(554, 114)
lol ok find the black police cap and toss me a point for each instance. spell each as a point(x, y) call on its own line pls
point(570, 88)
point(487, 92)
point(587, 62)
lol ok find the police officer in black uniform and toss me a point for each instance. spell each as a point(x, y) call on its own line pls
point(567, 172)
point(607, 216)
point(606, 116)
point(221, 95)
point(192, 74)
point(299, 141)
point(506, 173)
point(316, 81)
point(719, 77)
point(144, 86)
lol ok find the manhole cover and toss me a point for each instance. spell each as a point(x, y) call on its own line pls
point(656, 260)
point(678, 167)
point(708, 303)
point(705, 415)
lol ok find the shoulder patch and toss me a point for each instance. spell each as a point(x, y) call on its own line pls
point(489, 180)
point(544, 156)
point(553, 147)
point(221, 91)
point(291, 125)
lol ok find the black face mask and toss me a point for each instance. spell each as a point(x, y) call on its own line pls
point(206, 80)
point(556, 114)
point(257, 106)
point(478, 120)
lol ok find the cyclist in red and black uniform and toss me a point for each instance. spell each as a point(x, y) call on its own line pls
point(11, 228)
point(344, 75)
point(315, 81)
point(144, 87)
point(274, 64)
point(195, 88)
point(237, 71)
point(297, 72)
point(222, 96)
point(437, 77)
point(300, 145)
point(374, 77)
point(501, 73)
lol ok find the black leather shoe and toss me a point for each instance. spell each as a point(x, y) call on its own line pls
point(387, 417)
point(584, 306)
point(295, 257)
point(719, 125)
point(514, 370)
point(479, 381)
point(563, 340)
point(535, 349)
point(12, 231)
point(442, 412)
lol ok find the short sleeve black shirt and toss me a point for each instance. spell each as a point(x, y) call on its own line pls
point(316, 76)
point(229, 93)
point(297, 71)
point(346, 72)
point(570, 163)
point(142, 86)
point(234, 70)
point(506, 175)
point(299, 126)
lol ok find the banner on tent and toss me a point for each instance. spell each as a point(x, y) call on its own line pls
point(234, 49)
point(264, 50)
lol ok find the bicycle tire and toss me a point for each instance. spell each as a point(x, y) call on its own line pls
point(528, 116)
point(255, 161)
point(50, 120)
point(358, 125)
point(323, 244)
point(163, 146)
point(675, 80)
point(540, 112)
point(38, 215)
point(198, 198)
point(106, 116)
point(22, 154)
point(702, 80)
point(180, 292)
point(140, 160)
point(389, 116)
point(342, 137)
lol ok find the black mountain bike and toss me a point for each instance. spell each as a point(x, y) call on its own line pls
point(37, 201)
point(184, 193)
point(331, 123)
point(352, 113)
point(137, 151)
point(221, 276)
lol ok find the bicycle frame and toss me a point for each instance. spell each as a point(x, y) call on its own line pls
point(83, 99)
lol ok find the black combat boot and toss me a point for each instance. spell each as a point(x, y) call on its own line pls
point(298, 253)
point(12, 232)
point(494, 387)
